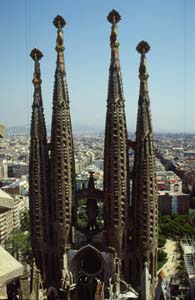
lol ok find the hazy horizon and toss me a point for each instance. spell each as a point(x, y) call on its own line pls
point(19, 129)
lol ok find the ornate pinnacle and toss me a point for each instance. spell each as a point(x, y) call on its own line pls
point(59, 23)
point(36, 56)
point(142, 48)
point(114, 18)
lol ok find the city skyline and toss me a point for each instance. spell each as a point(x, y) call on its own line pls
point(166, 27)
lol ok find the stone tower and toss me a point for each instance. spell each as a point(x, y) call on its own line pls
point(61, 163)
point(144, 211)
point(115, 244)
point(116, 165)
point(38, 173)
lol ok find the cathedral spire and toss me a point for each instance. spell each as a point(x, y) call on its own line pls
point(38, 171)
point(37, 102)
point(143, 48)
point(62, 159)
point(144, 115)
point(144, 211)
point(36, 56)
point(59, 23)
point(114, 18)
point(116, 185)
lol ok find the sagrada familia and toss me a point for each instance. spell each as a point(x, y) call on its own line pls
point(117, 260)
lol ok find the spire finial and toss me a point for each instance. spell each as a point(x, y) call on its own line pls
point(59, 23)
point(36, 56)
point(114, 18)
point(142, 48)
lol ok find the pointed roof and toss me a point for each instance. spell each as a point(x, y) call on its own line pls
point(38, 161)
point(144, 210)
point(114, 17)
point(36, 56)
point(62, 157)
point(60, 95)
point(144, 185)
point(115, 148)
point(61, 112)
point(59, 23)
point(60, 85)
point(115, 89)
point(144, 126)
point(38, 121)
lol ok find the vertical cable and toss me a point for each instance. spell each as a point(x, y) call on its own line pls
point(184, 69)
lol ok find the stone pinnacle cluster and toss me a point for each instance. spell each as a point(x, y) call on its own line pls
point(91, 261)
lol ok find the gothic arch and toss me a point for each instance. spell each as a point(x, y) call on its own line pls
point(89, 261)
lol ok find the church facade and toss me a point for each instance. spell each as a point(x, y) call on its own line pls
point(114, 258)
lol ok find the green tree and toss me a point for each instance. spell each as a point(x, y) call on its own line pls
point(162, 258)
point(25, 221)
point(177, 226)
point(161, 240)
point(19, 244)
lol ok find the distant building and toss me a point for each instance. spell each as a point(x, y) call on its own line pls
point(188, 250)
point(7, 181)
point(3, 169)
point(85, 159)
point(189, 180)
point(2, 131)
point(20, 206)
point(99, 163)
point(171, 199)
point(81, 182)
point(11, 213)
point(17, 170)
point(167, 180)
point(18, 187)
point(173, 182)
point(173, 203)
point(6, 225)
point(6, 215)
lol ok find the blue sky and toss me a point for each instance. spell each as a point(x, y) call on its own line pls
point(168, 26)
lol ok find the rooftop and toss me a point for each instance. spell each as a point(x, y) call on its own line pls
point(164, 192)
point(10, 268)
point(6, 201)
point(2, 131)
